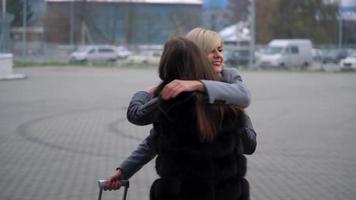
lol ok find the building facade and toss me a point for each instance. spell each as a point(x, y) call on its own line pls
point(119, 21)
point(348, 16)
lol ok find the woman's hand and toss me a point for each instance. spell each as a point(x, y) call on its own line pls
point(175, 87)
point(151, 90)
point(113, 182)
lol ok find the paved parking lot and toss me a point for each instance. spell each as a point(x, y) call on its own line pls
point(63, 128)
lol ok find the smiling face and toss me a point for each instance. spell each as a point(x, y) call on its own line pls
point(216, 58)
point(211, 44)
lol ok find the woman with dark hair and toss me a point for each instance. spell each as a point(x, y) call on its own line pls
point(182, 59)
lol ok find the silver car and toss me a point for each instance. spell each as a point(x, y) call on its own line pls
point(95, 53)
point(348, 63)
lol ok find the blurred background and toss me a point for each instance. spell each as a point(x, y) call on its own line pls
point(63, 123)
point(133, 31)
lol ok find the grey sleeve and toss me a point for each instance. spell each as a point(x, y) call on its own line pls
point(249, 135)
point(143, 154)
point(142, 109)
point(232, 91)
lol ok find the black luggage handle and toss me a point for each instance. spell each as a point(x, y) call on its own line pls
point(102, 184)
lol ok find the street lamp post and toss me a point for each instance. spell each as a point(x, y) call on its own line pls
point(3, 9)
point(3, 21)
point(71, 34)
point(340, 31)
point(24, 24)
point(252, 21)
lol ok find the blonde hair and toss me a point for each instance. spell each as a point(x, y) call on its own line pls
point(206, 40)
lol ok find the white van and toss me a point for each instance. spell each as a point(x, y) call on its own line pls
point(286, 53)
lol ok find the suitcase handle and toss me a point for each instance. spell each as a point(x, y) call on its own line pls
point(102, 184)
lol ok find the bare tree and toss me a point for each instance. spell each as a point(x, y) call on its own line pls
point(239, 8)
point(265, 12)
point(15, 7)
point(182, 23)
point(309, 19)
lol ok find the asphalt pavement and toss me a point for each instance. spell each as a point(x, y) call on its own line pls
point(63, 128)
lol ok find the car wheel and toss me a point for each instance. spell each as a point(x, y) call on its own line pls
point(112, 60)
point(71, 61)
point(282, 66)
point(305, 66)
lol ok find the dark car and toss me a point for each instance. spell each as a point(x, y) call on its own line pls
point(333, 55)
point(237, 56)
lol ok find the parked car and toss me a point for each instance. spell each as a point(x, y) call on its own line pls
point(237, 56)
point(123, 52)
point(94, 53)
point(316, 54)
point(348, 63)
point(145, 57)
point(333, 55)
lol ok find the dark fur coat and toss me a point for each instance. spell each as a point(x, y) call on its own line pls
point(193, 170)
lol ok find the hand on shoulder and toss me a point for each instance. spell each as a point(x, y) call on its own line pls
point(175, 87)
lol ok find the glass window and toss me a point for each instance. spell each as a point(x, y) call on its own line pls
point(105, 50)
point(92, 51)
point(294, 49)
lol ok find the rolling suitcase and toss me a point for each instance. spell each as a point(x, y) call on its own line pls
point(101, 184)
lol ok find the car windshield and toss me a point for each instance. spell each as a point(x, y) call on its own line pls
point(122, 48)
point(353, 55)
point(83, 49)
point(244, 53)
point(272, 50)
point(331, 52)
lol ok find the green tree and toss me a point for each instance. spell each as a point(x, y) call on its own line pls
point(311, 19)
point(15, 7)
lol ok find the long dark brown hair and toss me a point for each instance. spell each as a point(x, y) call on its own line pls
point(182, 59)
